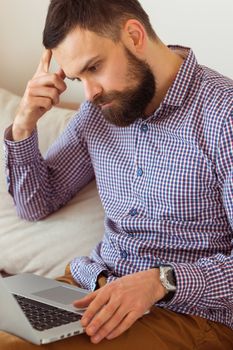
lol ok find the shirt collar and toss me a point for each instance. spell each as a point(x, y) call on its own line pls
point(177, 92)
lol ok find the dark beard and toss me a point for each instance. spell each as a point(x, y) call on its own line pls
point(130, 104)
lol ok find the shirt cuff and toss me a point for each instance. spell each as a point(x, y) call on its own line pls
point(86, 272)
point(20, 152)
point(190, 284)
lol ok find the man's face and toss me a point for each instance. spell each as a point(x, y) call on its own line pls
point(114, 79)
point(123, 107)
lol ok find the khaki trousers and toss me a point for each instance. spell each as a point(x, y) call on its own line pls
point(160, 330)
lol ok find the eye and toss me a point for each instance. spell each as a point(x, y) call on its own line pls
point(94, 68)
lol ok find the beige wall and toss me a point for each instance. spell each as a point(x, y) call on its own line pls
point(205, 25)
point(21, 26)
point(21, 22)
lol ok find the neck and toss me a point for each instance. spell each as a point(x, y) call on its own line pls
point(165, 65)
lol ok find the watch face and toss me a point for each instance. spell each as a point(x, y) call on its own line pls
point(171, 277)
point(167, 277)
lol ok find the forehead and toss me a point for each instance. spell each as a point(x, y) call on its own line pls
point(78, 47)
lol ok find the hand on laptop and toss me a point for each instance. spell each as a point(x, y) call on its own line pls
point(112, 309)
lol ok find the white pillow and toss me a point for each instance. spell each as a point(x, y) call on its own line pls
point(45, 247)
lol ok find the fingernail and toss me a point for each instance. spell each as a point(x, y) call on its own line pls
point(96, 338)
point(84, 322)
point(91, 330)
point(109, 337)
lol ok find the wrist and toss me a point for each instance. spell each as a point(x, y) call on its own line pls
point(21, 131)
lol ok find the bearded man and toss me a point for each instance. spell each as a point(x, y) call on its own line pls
point(156, 133)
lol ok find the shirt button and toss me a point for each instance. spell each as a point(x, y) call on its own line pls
point(140, 172)
point(124, 254)
point(144, 128)
point(133, 212)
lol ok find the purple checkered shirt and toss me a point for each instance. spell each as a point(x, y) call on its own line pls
point(166, 185)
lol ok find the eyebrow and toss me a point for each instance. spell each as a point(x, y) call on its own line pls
point(85, 67)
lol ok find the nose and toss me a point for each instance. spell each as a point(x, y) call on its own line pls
point(92, 89)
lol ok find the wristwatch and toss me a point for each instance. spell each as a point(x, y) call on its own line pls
point(168, 280)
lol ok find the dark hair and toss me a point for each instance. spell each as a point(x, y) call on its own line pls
point(104, 17)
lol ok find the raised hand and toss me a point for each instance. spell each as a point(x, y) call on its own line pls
point(41, 94)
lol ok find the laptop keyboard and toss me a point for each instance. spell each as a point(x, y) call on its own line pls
point(43, 316)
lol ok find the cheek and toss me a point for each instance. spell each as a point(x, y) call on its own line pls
point(115, 75)
point(115, 80)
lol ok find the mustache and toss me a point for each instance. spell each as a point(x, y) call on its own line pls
point(107, 98)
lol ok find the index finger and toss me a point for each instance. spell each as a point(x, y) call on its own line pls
point(95, 305)
point(45, 60)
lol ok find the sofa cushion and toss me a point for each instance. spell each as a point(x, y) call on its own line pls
point(45, 247)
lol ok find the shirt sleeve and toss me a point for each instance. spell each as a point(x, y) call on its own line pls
point(40, 186)
point(85, 270)
point(208, 283)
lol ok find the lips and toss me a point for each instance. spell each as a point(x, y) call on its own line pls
point(105, 105)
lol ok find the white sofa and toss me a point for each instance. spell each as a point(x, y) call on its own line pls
point(45, 247)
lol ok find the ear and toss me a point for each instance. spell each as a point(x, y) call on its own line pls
point(134, 35)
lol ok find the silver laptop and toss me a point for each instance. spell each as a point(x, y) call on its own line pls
point(39, 309)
